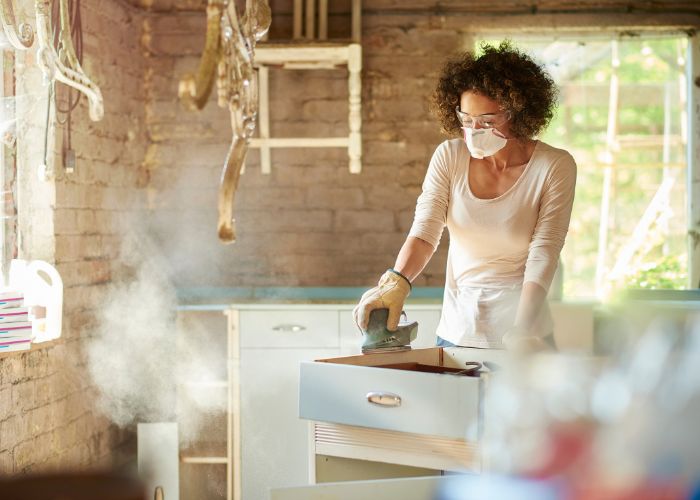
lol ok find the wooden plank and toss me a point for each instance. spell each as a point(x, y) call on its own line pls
point(356, 20)
point(432, 355)
point(310, 19)
point(298, 8)
point(322, 19)
point(277, 54)
point(300, 142)
point(205, 460)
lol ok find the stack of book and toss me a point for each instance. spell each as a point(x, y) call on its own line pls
point(15, 325)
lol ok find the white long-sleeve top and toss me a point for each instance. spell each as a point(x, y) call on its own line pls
point(496, 244)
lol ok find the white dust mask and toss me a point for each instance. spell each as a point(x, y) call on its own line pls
point(484, 141)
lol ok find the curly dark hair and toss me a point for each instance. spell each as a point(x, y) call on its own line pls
point(504, 74)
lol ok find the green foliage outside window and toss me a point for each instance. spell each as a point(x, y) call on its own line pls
point(647, 151)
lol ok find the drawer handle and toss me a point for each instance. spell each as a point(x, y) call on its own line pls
point(289, 328)
point(384, 399)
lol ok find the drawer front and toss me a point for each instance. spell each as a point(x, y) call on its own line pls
point(351, 338)
point(298, 328)
point(433, 404)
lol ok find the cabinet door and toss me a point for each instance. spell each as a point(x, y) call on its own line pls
point(351, 338)
point(274, 441)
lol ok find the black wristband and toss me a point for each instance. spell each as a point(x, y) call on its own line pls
point(404, 277)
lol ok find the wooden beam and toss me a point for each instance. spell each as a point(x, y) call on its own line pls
point(322, 19)
point(310, 19)
point(356, 20)
point(298, 8)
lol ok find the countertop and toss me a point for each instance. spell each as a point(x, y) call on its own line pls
point(220, 296)
point(292, 295)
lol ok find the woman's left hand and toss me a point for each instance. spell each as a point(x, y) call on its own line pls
point(520, 340)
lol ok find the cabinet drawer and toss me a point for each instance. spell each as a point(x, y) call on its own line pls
point(297, 328)
point(337, 390)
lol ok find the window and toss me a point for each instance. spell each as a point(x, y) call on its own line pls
point(8, 165)
point(623, 115)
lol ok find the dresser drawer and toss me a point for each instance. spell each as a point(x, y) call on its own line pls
point(337, 390)
point(292, 328)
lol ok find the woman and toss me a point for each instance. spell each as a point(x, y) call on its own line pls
point(505, 198)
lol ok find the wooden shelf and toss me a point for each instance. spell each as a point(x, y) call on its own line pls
point(34, 347)
point(300, 142)
point(203, 460)
point(208, 383)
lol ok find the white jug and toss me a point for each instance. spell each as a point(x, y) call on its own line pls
point(43, 287)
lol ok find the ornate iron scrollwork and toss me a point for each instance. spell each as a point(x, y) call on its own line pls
point(22, 36)
point(230, 42)
point(64, 65)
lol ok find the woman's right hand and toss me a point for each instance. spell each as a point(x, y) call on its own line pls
point(390, 293)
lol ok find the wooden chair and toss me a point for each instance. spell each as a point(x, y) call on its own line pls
point(309, 49)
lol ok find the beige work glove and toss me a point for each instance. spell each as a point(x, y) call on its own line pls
point(519, 340)
point(390, 293)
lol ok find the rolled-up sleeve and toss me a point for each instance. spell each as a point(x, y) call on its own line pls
point(431, 208)
point(552, 222)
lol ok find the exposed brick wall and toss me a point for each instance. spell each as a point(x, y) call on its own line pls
point(48, 416)
point(310, 222)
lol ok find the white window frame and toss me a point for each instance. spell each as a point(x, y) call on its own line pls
point(693, 81)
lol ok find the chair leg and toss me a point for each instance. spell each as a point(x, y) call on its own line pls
point(355, 107)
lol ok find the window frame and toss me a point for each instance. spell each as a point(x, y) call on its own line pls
point(693, 82)
point(9, 235)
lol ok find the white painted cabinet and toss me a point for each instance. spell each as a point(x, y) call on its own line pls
point(414, 488)
point(275, 339)
point(274, 441)
point(262, 348)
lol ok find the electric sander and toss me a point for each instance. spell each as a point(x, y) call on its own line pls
point(378, 338)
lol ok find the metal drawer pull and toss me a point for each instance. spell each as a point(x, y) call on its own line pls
point(289, 328)
point(384, 399)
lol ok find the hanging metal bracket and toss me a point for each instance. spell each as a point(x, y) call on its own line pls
point(21, 37)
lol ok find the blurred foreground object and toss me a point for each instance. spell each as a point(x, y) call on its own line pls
point(623, 427)
point(72, 486)
point(158, 459)
point(515, 488)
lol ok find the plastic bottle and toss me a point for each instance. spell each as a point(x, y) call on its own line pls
point(43, 288)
